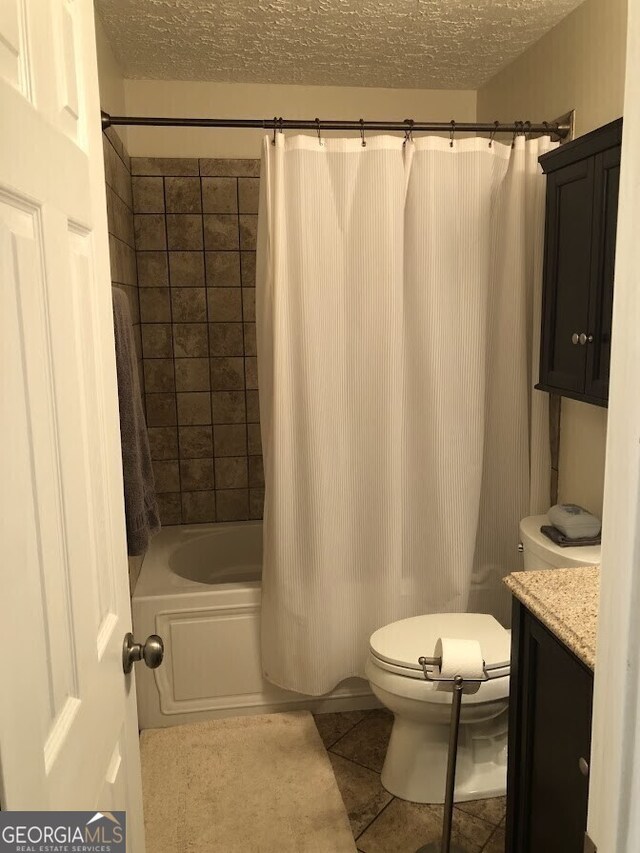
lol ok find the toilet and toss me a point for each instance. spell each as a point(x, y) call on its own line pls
point(416, 760)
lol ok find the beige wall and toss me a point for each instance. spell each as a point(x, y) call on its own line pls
point(240, 100)
point(577, 65)
point(110, 78)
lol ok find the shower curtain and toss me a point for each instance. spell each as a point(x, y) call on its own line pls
point(398, 294)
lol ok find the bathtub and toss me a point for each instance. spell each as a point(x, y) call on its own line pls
point(199, 589)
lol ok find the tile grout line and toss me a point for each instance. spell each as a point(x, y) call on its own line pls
point(370, 824)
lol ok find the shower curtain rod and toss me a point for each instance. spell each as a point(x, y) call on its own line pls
point(554, 129)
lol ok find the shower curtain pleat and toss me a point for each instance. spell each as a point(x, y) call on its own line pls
point(397, 290)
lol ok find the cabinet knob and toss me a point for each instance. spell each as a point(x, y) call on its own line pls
point(584, 339)
point(575, 338)
point(583, 766)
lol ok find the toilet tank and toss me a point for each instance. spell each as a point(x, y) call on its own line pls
point(541, 553)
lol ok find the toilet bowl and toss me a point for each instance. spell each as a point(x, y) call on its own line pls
point(415, 765)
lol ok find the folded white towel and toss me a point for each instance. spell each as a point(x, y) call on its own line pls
point(574, 521)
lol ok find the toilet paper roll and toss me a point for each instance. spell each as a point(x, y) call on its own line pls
point(459, 657)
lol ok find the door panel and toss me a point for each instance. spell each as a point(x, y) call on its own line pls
point(607, 183)
point(65, 604)
point(566, 291)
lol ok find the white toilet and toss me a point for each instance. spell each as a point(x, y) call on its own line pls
point(416, 760)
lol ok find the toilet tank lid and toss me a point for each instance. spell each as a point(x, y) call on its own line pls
point(535, 541)
point(403, 642)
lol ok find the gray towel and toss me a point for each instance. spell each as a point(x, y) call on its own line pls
point(140, 505)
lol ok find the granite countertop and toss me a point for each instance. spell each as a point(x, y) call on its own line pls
point(566, 601)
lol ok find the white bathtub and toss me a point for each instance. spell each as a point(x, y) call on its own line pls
point(199, 589)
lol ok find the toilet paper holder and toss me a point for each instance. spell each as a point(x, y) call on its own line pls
point(426, 662)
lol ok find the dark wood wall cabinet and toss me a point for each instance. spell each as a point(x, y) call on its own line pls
point(580, 239)
point(549, 741)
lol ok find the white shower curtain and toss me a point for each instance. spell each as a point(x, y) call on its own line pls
point(398, 293)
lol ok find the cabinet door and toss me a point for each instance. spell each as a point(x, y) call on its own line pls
point(605, 207)
point(566, 286)
point(551, 732)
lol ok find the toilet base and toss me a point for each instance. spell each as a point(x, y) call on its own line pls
point(416, 763)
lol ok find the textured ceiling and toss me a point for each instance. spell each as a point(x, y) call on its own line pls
point(448, 44)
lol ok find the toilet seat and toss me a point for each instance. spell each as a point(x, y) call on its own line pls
point(395, 648)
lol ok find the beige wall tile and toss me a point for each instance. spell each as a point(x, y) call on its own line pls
point(231, 472)
point(166, 476)
point(182, 195)
point(226, 339)
point(219, 195)
point(198, 507)
point(248, 232)
point(161, 409)
point(186, 269)
point(225, 304)
point(163, 442)
point(248, 195)
point(196, 475)
point(223, 269)
point(184, 231)
point(248, 263)
point(228, 407)
point(188, 304)
point(190, 340)
point(221, 231)
point(227, 374)
point(150, 231)
point(170, 507)
point(194, 408)
point(232, 504)
point(148, 195)
point(156, 340)
point(240, 168)
point(195, 442)
point(154, 305)
point(164, 166)
point(192, 374)
point(256, 503)
point(152, 269)
point(230, 440)
point(158, 374)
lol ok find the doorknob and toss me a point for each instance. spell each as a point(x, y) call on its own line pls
point(575, 338)
point(152, 652)
point(585, 339)
point(583, 767)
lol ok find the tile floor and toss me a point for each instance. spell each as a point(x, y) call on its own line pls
point(356, 742)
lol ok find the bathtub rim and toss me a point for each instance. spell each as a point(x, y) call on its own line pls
point(156, 577)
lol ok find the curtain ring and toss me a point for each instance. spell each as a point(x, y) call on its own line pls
point(526, 129)
point(515, 133)
point(408, 134)
point(318, 131)
point(364, 141)
point(453, 130)
point(496, 125)
point(275, 125)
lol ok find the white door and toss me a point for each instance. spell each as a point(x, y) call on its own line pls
point(614, 786)
point(68, 726)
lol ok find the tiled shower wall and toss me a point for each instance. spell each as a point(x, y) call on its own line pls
point(195, 238)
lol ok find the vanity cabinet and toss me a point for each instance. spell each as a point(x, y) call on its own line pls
point(550, 707)
point(580, 238)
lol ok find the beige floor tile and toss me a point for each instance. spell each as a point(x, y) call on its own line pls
point(404, 827)
point(367, 742)
point(492, 810)
point(333, 726)
point(497, 842)
point(363, 795)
